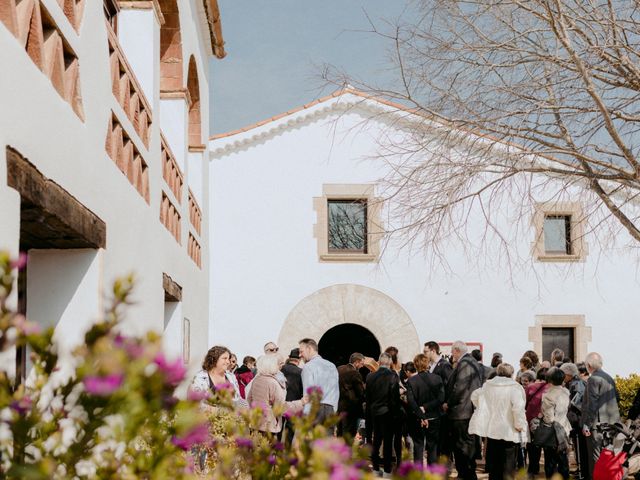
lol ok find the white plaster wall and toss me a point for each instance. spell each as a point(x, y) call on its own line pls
point(264, 258)
point(38, 123)
point(63, 291)
point(173, 122)
point(139, 35)
point(172, 335)
point(195, 175)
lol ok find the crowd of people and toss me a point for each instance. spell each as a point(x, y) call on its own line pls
point(441, 407)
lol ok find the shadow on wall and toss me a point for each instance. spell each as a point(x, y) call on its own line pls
point(63, 291)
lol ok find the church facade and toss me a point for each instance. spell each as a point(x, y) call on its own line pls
point(299, 249)
point(103, 127)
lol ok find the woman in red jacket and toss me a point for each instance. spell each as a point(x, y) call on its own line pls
point(244, 373)
point(533, 409)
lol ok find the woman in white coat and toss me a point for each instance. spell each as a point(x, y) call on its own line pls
point(500, 417)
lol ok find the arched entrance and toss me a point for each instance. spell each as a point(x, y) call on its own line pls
point(344, 304)
point(339, 342)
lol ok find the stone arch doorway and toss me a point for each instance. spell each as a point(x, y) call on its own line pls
point(339, 342)
point(344, 304)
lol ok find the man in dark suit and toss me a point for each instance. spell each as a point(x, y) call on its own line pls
point(440, 366)
point(599, 405)
point(293, 373)
point(383, 409)
point(351, 396)
point(467, 377)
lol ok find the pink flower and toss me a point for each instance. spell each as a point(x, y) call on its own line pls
point(198, 434)
point(197, 395)
point(26, 327)
point(226, 386)
point(20, 263)
point(345, 472)
point(103, 386)
point(314, 390)
point(334, 445)
point(23, 405)
point(406, 468)
point(174, 372)
point(243, 442)
point(130, 345)
point(437, 469)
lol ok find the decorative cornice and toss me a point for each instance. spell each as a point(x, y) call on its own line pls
point(179, 93)
point(215, 27)
point(143, 5)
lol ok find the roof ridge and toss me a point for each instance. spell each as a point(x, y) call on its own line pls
point(342, 91)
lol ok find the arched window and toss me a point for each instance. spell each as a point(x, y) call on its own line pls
point(170, 48)
point(193, 87)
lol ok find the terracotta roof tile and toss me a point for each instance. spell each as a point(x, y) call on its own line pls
point(337, 93)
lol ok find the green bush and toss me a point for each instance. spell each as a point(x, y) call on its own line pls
point(627, 388)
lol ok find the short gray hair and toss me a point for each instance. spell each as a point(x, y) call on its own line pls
point(384, 360)
point(267, 365)
point(460, 346)
point(594, 360)
point(504, 370)
point(355, 357)
point(528, 374)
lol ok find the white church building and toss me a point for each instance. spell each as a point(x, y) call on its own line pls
point(297, 251)
point(104, 119)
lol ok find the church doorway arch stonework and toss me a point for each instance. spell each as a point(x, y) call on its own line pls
point(356, 304)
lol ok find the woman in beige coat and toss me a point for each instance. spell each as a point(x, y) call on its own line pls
point(268, 393)
point(555, 405)
point(500, 417)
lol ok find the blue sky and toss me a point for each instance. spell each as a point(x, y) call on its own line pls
point(276, 50)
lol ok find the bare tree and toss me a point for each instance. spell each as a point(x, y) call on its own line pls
point(514, 96)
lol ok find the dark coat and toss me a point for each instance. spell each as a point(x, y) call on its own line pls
point(425, 390)
point(383, 393)
point(443, 369)
point(351, 390)
point(600, 401)
point(466, 377)
point(487, 371)
point(293, 374)
point(576, 387)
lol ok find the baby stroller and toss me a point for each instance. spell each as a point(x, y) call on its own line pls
point(620, 456)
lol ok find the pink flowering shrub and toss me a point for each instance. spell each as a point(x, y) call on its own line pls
point(117, 416)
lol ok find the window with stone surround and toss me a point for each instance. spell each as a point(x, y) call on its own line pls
point(348, 225)
point(549, 331)
point(559, 232)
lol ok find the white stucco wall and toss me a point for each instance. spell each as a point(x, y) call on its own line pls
point(265, 260)
point(70, 151)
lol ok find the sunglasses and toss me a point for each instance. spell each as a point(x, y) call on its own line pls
point(273, 350)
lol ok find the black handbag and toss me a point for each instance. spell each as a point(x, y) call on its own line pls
point(545, 436)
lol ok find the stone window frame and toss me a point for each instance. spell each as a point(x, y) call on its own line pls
point(356, 192)
point(186, 340)
point(579, 246)
point(582, 335)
